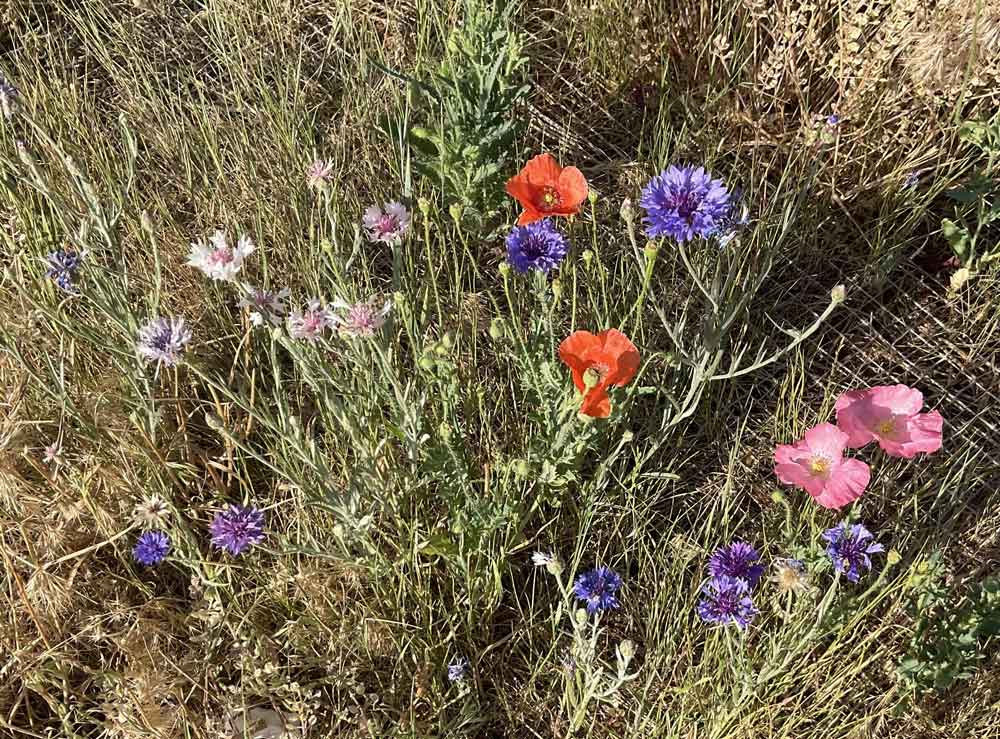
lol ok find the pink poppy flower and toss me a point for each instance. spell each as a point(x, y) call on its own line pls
point(890, 415)
point(816, 464)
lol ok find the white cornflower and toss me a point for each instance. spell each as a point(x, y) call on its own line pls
point(217, 259)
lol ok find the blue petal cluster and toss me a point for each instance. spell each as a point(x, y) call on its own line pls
point(151, 548)
point(849, 547)
point(537, 245)
point(727, 601)
point(597, 589)
point(63, 265)
point(738, 560)
point(237, 528)
point(684, 202)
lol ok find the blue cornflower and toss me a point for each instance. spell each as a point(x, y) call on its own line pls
point(739, 559)
point(63, 264)
point(849, 547)
point(684, 202)
point(457, 668)
point(237, 528)
point(537, 245)
point(598, 588)
point(832, 120)
point(912, 180)
point(727, 601)
point(162, 340)
point(9, 96)
point(151, 548)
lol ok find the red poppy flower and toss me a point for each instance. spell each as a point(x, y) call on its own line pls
point(599, 362)
point(543, 188)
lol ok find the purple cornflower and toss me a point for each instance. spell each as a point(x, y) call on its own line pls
point(832, 120)
point(162, 340)
point(537, 245)
point(912, 180)
point(684, 202)
point(265, 306)
point(151, 548)
point(361, 320)
point(319, 174)
point(8, 98)
point(310, 323)
point(63, 264)
point(387, 224)
point(739, 560)
point(597, 587)
point(237, 528)
point(849, 547)
point(727, 600)
point(457, 668)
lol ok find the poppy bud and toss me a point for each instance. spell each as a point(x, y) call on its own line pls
point(497, 329)
point(627, 650)
point(455, 211)
point(448, 340)
point(592, 196)
point(554, 566)
point(838, 294)
point(626, 212)
point(425, 205)
point(504, 269)
point(521, 468)
point(556, 289)
point(426, 363)
point(778, 497)
point(588, 256)
point(581, 616)
point(893, 557)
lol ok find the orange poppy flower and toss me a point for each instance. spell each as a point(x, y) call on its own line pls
point(543, 188)
point(599, 362)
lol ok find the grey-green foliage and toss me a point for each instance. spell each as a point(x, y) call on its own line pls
point(951, 633)
point(473, 116)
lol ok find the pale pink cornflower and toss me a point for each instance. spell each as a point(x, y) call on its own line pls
point(310, 323)
point(816, 464)
point(319, 174)
point(53, 454)
point(265, 306)
point(388, 223)
point(890, 415)
point(361, 319)
point(217, 259)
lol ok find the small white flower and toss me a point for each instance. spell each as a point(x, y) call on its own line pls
point(310, 323)
point(387, 224)
point(361, 319)
point(151, 513)
point(53, 454)
point(265, 306)
point(217, 259)
point(541, 559)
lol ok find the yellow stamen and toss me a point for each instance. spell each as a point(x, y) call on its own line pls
point(819, 465)
point(886, 427)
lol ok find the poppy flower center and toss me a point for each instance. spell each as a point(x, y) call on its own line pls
point(548, 199)
point(886, 427)
point(595, 374)
point(820, 466)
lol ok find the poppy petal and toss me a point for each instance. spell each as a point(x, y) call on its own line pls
point(596, 403)
point(572, 189)
point(542, 171)
point(623, 355)
point(573, 351)
point(529, 215)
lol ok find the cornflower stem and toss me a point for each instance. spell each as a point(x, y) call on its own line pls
point(647, 280)
point(696, 277)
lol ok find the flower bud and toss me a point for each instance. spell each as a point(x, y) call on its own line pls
point(213, 421)
point(455, 210)
point(650, 251)
point(591, 195)
point(146, 220)
point(557, 289)
point(554, 566)
point(778, 497)
point(627, 649)
point(893, 557)
point(448, 340)
point(426, 363)
point(498, 329)
point(838, 294)
point(521, 468)
point(424, 205)
point(626, 212)
point(504, 269)
point(588, 256)
point(581, 616)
